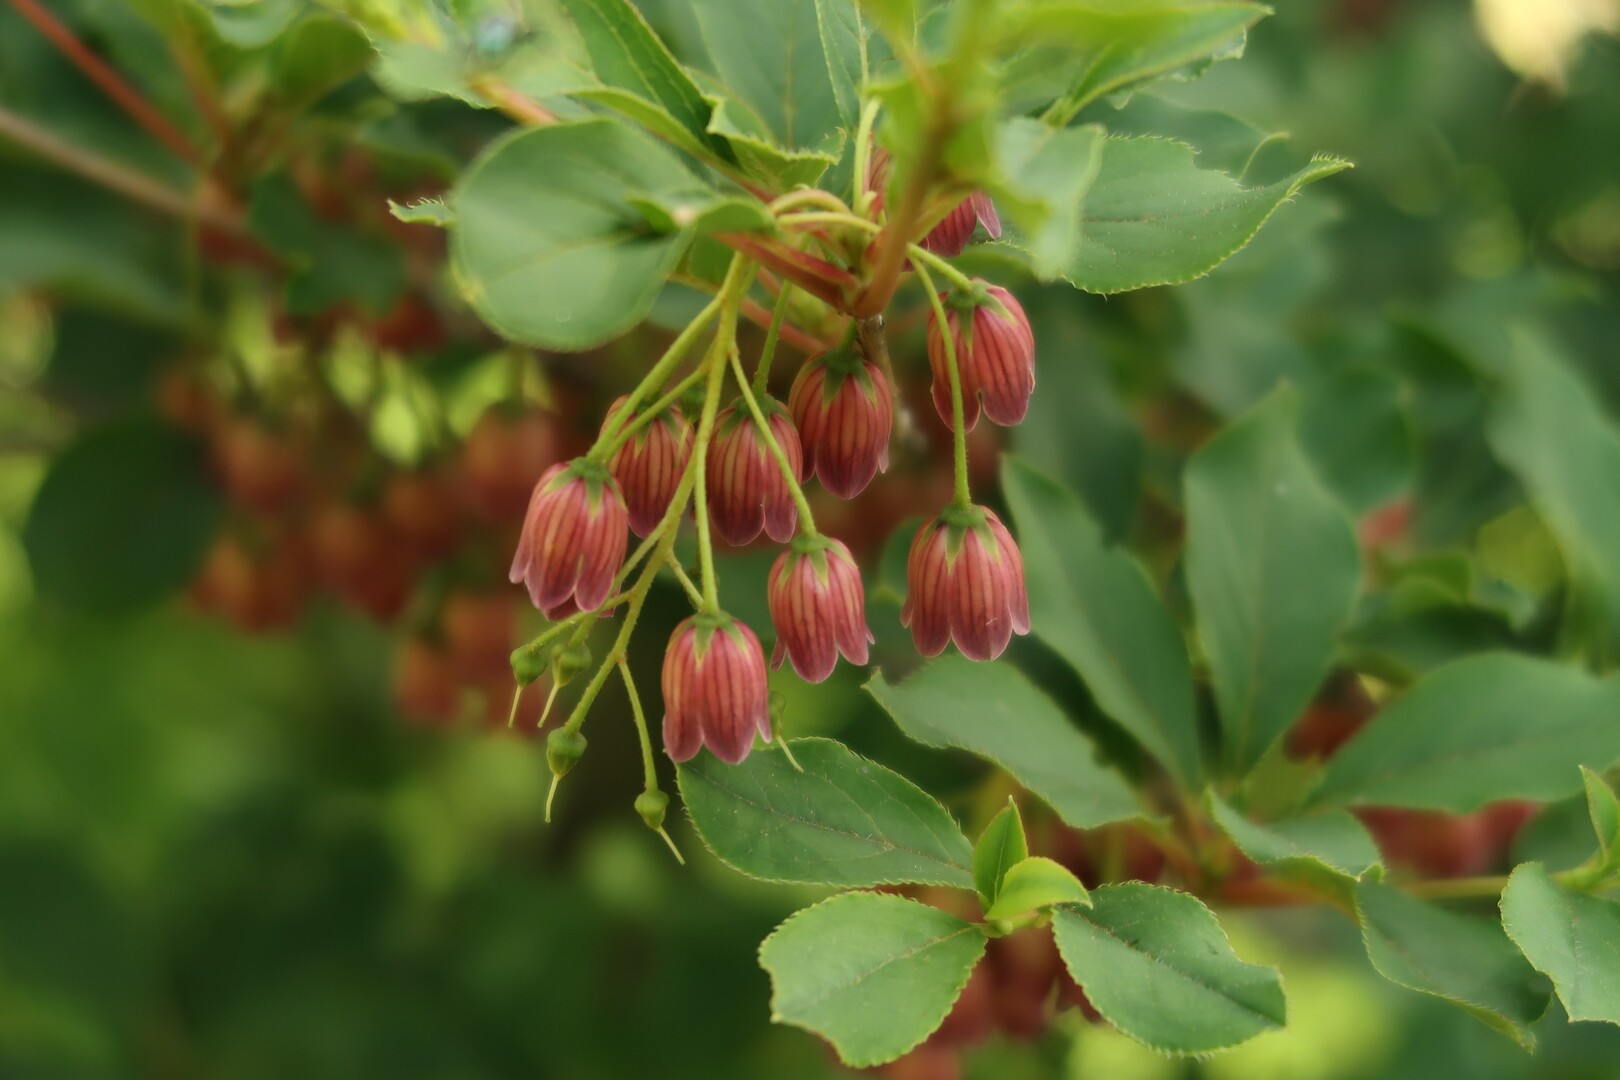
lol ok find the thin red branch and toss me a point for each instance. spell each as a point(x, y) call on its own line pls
point(111, 83)
point(821, 279)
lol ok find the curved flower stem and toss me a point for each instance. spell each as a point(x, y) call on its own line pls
point(829, 217)
point(863, 156)
point(653, 412)
point(806, 518)
point(807, 197)
point(700, 467)
point(657, 376)
point(692, 591)
point(648, 770)
point(762, 373)
point(964, 497)
point(946, 270)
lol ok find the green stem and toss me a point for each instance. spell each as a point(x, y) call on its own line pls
point(964, 497)
point(660, 372)
point(1463, 888)
point(829, 217)
point(762, 373)
point(700, 464)
point(956, 277)
point(807, 523)
point(807, 197)
point(692, 591)
point(652, 412)
point(863, 156)
point(649, 772)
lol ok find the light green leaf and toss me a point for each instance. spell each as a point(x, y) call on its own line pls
point(1000, 847)
point(1095, 605)
point(1041, 177)
point(1152, 217)
point(994, 711)
point(1465, 960)
point(547, 246)
point(874, 975)
point(123, 518)
point(773, 61)
point(1333, 841)
point(844, 820)
point(1550, 428)
point(1604, 809)
point(1037, 882)
point(627, 56)
point(759, 157)
point(1084, 49)
point(1488, 727)
point(1273, 569)
point(1571, 937)
point(423, 212)
point(1156, 965)
point(844, 45)
point(318, 54)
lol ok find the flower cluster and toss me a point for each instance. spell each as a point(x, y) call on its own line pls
point(738, 466)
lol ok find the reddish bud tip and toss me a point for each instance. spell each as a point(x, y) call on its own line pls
point(650, 464)
point(715, 691)
point(845, 413)
point(818, 606)
point(997, 364)
point(573, 539)
point(747, 491)
point(951, 236)
point(965, 583)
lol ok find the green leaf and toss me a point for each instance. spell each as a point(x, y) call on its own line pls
point(1001, 846)
point(1550, 428)
point(1095, 605)
point(1333, 841)
point(423, 212)
point(318, 54)
point(1041, 177)
point(1156, 965)
point(1465, 960)
point(773, 60)
point(331, 263)
point(844, 45)
point(1495, 726)
point(1273, 569)
point(1037, 882)
point(995, 712)
point(746, 140)
point(547, 246)
point(874, 975)
point(1604, 809)
point(123, 517)
point(1152, 217)
point(844, 820)
point(651, 85)
point(1571, 937)
point(1085, 49)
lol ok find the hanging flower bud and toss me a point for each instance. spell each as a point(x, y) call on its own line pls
point(844, 410)
point(747, 491)
point(997, 365)
point(818, 606)
point(715, 693)
point(965, 582)
point(950, 237)
point(650, 464)
point(573, 539)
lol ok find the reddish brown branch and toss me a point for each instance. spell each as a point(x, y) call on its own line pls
point(111, 83)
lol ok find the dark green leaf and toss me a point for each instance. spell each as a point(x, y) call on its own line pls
point(1552, 431)
point(993, 711)
point(874, 975)
point(844, 39)
point(1604, 809)
point(1156, 965)
point(1095, 606)
point(1496, 726)
point(1465, 960)
point(547, 245)
point(123, 518)
point(1571, 937)
point(1273, 568)
point(774, 62)
point(842, 821)
point(1000, 847)
point(1037, 882)
point(316, 55)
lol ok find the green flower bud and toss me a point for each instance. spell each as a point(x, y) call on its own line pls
point(570, 662)
point(651, 805)
point(564, 748)
point(528, 665)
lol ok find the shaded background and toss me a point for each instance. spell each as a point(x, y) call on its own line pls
point(225, 855)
